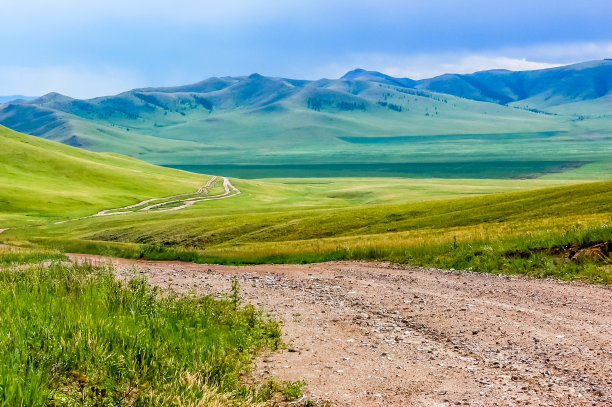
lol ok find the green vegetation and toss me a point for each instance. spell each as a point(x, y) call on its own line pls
point(513, 228)
point(46, 180)
point(456, 125)
point(518, 232)
point(74, 335)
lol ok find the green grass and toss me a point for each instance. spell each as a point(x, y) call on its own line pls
point(267, 121)
point(74, 335)
point(304, 220)
point(478, 232)
point(46, 180)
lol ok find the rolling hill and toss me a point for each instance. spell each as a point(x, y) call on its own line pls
point(544, 90)
point(10, 98)
point(44, 179)
point(550, 120)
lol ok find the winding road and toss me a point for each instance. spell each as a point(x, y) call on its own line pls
point(183, 201)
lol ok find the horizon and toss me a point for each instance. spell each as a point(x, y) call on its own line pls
point(104, 47)
point(359, 69)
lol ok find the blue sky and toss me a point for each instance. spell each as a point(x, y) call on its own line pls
point(91, 48)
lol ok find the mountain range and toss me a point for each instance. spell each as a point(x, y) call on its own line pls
point(364, 117)
point(10, 98)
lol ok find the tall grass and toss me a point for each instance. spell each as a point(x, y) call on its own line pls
point(74, 335)
point(505, 251)
point(481, 233)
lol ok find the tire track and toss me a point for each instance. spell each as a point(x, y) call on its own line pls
point(230, 191)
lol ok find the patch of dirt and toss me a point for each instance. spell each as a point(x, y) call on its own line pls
point(595, 251)
point(372, 334)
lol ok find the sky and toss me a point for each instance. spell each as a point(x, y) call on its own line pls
point(92, 48)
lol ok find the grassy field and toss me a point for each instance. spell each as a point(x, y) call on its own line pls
point(74, 335)
point(43, 180)
point(529, 226)
point(513, 232)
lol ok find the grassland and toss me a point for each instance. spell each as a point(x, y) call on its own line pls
point(75, 335)
point(44, 180)
point(513, 232)
point(510, 226)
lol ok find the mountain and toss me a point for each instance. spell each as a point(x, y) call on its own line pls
point(365, 117)
point(6, 99)
point(373, 76)
point(42, 178)
point(539, 89)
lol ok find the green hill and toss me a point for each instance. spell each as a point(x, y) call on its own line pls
point(543, 121)
point(528, 232)
point(543, 89)
point(45, 179)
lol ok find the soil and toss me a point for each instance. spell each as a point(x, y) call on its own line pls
point(592, 251)
point(372, 334)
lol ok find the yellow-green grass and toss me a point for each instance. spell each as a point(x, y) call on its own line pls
point(483, 232)
point(292, 220)
point(43, 180)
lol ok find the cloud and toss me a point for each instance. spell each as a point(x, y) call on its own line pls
point(427, 65)
point(85, 78)
point(77, 82)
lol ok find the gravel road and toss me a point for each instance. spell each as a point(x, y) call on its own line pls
point(371, 334)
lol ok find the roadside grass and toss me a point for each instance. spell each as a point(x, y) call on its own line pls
point(75, 335)
point(14, 256)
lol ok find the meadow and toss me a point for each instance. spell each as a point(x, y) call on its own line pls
point(530, 226)
point(75, 334)
point(43, 179)
point(530, 232)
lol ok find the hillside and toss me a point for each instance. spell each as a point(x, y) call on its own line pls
point(528, 232)
point(545, 90)
point(223, 124)
point(10, 98)
point(45, 179)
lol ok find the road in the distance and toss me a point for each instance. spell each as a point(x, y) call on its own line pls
point(185, 201)
point(370, 334)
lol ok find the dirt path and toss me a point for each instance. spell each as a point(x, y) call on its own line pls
point(371, 334)
point(3, 230)
point(230, 191)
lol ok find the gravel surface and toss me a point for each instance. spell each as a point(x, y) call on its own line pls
point(370, 334)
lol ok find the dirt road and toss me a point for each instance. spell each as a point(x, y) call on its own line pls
point(230, 191)
point(370, 334)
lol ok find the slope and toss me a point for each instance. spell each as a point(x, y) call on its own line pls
point(259, 120)
point(537, 89)
point(44, 179)
point(366, 118)
point(521, 232)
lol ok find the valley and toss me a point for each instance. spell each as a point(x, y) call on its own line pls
point(436, 242)
point(257, 126)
